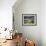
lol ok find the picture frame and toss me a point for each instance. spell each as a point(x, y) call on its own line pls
point(29, 19)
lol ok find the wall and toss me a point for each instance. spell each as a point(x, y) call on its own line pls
point(43, 22)
point(25, 7)
point(6, 13)
point(28, 7)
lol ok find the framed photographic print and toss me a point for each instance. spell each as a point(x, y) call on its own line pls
point(29, 19)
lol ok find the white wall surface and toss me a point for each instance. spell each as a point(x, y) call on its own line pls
point(37, 33)
point(28, 7)
point(43, 22)
point(6, 13)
